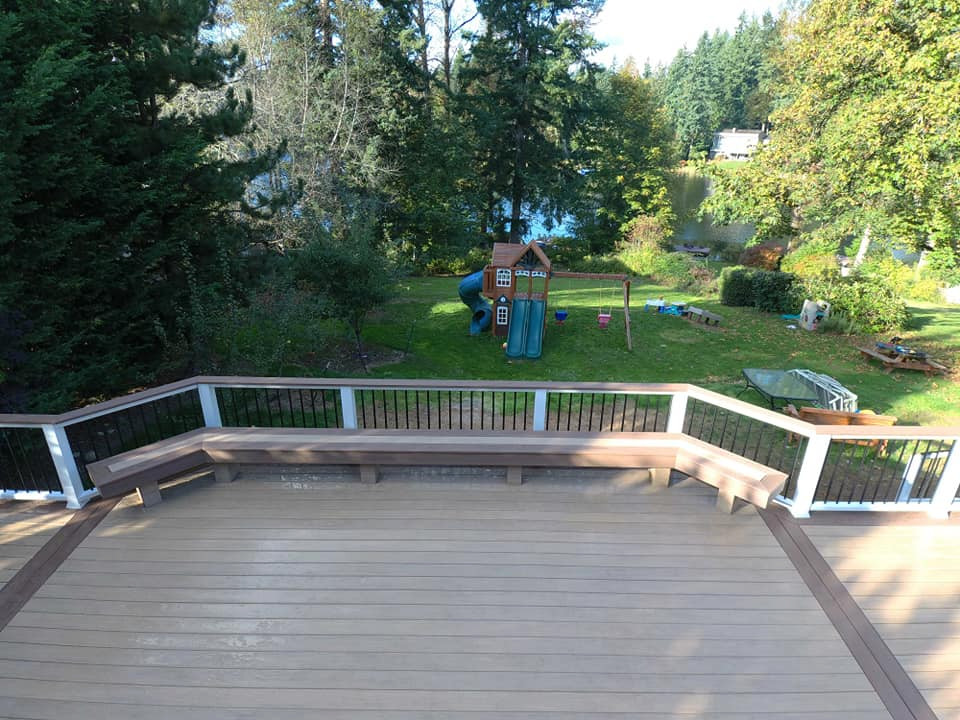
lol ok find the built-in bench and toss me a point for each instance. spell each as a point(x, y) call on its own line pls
point(225, 449)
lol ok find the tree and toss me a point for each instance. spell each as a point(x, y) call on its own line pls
point(626, 143)
point(527, 77)
point(726, 80)
point(113, 216)
point(865, 140)
point(351, 274)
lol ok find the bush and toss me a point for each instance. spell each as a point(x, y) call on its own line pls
point(816, 257)
point(885, 269)
point(765, 257)
point(766, 290)
point(669, 268)
point(773, 291)
point(926, 289)
point(871, 305)
point(461, 263)
point(736, 287)
point(838, 323)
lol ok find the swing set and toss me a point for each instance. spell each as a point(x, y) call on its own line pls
point(604, 311)
point(517, 281)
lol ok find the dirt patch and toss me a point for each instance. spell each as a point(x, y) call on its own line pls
point(341, 358)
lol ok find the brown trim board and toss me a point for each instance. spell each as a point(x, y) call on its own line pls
point(866, 518)
point(22, 586)
point(894, 686)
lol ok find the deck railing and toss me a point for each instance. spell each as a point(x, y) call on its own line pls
point(901, 468)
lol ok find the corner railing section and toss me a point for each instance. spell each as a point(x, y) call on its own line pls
point(828, 467)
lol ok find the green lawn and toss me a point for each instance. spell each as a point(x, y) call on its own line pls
point(428, 317)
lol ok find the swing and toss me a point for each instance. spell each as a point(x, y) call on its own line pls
point(603, 318)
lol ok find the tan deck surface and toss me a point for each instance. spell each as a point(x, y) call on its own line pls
point(598, 596)
point(24, 528)
point(907, 580)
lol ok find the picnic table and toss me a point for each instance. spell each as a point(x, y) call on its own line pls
point(900, 357)
point(777, 385)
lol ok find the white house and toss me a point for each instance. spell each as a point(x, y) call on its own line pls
point(734, 144)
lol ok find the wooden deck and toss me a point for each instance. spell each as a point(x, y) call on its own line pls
point(581, 594)
point(24, 528)
point(906, 577)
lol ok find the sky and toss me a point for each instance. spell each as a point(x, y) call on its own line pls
point(655, 29)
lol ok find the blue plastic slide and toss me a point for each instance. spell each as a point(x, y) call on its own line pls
point(534, 344)
point(469, 290)
point(517, 332)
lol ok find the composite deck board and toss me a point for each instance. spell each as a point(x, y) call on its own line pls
point(906, 579)
point(25, 527)
point(52, 710)
point(304, 598)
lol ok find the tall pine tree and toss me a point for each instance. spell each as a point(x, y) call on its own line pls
point(117, 227)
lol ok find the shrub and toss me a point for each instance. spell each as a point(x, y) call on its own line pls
point(871, 305)
point(458, 263)
point(838, 323)
point(736, 287)
point(926, 289)
point(765, 257)
point(773, 291)
point(815, 257)
point(885, 269)
point(645, 231)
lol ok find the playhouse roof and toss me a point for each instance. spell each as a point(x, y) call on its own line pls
point(510, 254)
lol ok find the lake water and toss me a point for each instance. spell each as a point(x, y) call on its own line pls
point(687, 191)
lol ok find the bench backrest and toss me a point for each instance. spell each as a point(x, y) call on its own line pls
point(819, 416)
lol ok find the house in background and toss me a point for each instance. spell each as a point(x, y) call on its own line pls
point(734, 144)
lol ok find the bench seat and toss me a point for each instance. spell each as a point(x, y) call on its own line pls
point(225, 448)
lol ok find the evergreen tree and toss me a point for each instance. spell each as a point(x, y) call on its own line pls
point(528, 78)
point(117, 228)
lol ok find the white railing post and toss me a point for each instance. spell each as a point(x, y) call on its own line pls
point(209, 405)
point(66, 466)
point(349, 404)
point(946, 491)
point(540, 410)
point(678, 412)
point(809, 476)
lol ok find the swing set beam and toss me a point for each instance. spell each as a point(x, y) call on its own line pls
point(589, 276)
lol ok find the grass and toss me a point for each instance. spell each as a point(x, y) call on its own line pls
point(428, 324)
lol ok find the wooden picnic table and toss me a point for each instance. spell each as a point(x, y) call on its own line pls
point(895, 357)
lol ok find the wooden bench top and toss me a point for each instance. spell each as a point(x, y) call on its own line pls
point(153, 463)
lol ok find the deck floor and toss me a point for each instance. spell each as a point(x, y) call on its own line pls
point(907, 580)
point(24, 528)
point(577, 595)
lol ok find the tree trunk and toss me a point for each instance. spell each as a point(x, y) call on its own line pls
point(516, 191)
point(325, 32)
point(447, 7)
point(360, 355)
point(864, 248)
point(421, 21)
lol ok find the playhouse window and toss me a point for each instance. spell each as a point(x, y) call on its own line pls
point(503, 277)
point(522, 273)
point(503, 315)
point(539, 274)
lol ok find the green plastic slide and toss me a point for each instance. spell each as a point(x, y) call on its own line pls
point(535, 324)
point(517, 332)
